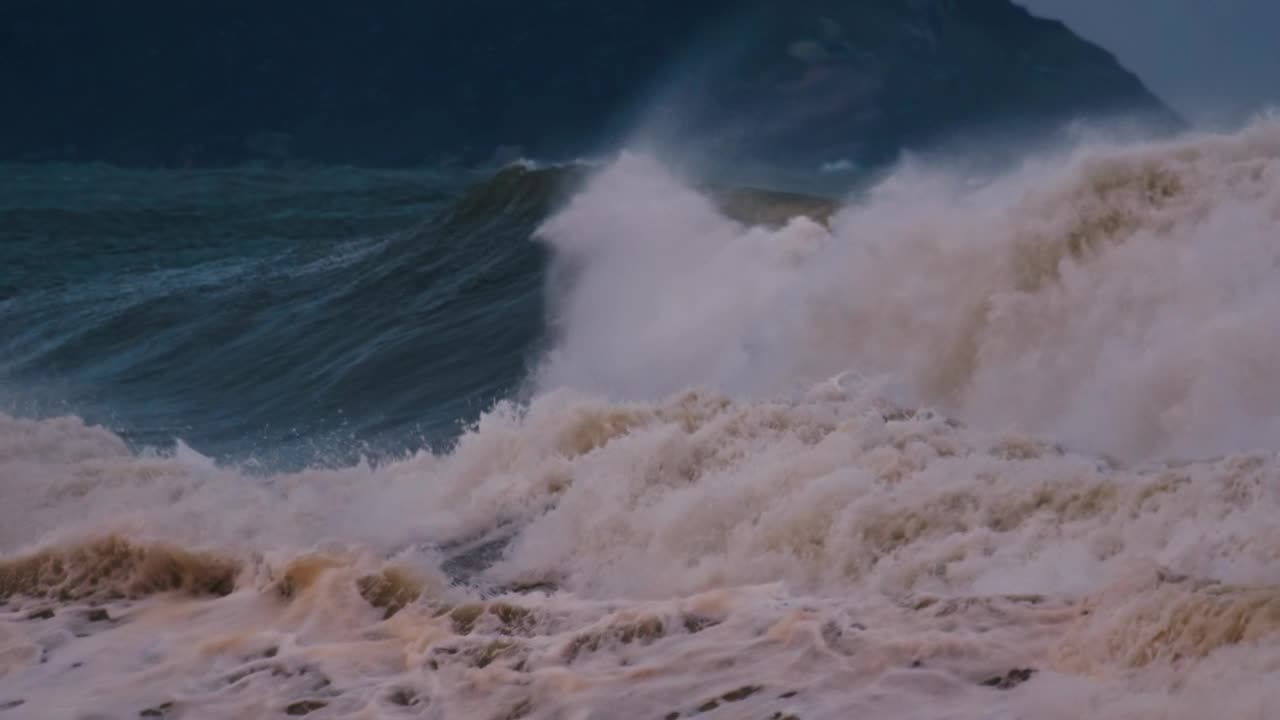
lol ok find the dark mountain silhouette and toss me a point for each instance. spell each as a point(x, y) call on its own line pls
point(402, 82)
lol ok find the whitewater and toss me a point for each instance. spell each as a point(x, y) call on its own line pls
point(999, 449)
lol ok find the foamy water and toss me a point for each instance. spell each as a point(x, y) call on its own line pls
point(1115, 299)
point(692, 519)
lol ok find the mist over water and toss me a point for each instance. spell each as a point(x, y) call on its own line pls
point(1114, 298)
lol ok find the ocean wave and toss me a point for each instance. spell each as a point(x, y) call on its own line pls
point(291, 318)
point(1113, 298)
point(924, 447)
point(264, 315)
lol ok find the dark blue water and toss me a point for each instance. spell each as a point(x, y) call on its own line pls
point(287, 317)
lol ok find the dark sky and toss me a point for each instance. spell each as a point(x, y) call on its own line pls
point(1214, 61)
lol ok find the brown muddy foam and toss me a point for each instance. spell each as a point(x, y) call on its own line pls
point(886, 618)
point(115, 568)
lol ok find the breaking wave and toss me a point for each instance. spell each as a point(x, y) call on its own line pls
point(1116, 299)
point(1008, 447)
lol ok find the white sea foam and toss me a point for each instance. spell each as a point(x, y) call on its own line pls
point(1116, 299)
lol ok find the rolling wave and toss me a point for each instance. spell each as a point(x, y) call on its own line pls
point(251, 314)
point(991, 446)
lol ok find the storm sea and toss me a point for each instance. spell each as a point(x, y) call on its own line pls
point(606, 438)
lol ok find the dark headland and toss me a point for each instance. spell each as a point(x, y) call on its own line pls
point(396, 83)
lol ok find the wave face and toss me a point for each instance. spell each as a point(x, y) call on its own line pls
point(1005, 447)
point(278, 315)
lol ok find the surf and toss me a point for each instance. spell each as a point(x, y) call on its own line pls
point(1002, 443)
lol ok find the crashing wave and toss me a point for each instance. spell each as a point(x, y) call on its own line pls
point(786, 538)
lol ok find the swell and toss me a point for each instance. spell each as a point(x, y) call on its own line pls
point(291, 318)
point(247, 313)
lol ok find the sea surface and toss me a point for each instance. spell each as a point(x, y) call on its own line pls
point(601, 441)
